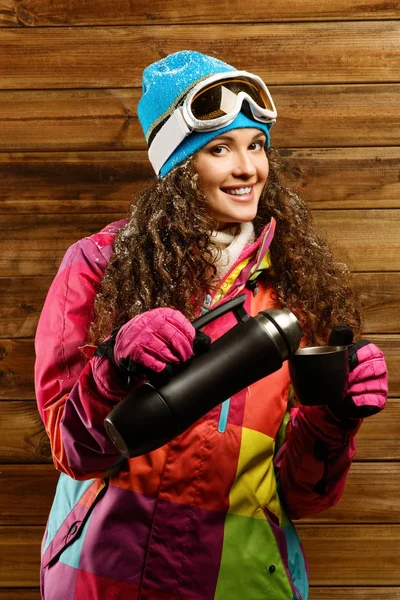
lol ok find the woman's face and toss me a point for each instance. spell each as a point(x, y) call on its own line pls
point(233, 169)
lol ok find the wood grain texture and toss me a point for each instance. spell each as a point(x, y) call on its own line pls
point(25, 441)
point(379, 436)
point(75, 57)
point(20, 594)
point(20, 556)
point(21, 301)
point(26, 493)
point(35, 245)
point(352, 554)
point(370, 495)
point(86, 182)
point(348, 232)
point(348, 593)
point(338, 555)
point(106, 119)
point(380, 298)
point(345, 177)
point(71, 182)
point(72, 155)
point(53, 13)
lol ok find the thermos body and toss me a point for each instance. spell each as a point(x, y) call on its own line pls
point(252, 349)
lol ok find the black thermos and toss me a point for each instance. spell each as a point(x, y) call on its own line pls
point(255, 347)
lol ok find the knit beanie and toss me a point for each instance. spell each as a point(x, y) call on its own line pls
point(165, 83)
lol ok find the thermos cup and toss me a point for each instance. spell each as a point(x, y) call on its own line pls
point(152, 415)
point(319, 374)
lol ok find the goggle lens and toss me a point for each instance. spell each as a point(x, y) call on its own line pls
point(219, 98)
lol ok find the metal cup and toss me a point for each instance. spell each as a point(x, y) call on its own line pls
point(319, 374)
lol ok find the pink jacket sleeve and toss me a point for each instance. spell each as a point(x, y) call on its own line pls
point(312, 464)
point(70, 404)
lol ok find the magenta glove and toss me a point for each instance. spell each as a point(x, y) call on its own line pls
point(154, 339)
point(148, 342)
point(367, 387)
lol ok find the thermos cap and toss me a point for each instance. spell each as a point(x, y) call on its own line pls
point(284, 328)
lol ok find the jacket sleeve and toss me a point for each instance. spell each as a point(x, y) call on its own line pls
point(70, 404)
point(312, 463)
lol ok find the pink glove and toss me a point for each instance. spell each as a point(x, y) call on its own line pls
point(154, 339)
point(367, 387)
point(147, 342)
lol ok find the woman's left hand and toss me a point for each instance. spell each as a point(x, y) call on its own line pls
point(367, 387)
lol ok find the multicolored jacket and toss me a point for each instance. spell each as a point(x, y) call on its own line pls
point(205, 517)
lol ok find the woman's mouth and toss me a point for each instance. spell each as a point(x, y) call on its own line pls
point(241, 193)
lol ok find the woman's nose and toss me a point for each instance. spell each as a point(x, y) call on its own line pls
point(244, 165)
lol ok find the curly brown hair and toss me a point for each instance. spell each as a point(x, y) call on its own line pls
point(166, 247)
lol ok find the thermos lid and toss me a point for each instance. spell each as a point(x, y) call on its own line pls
point(284, 328)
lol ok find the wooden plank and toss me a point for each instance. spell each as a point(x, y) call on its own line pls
point(84, 182)
point(341, 115)
point(21, 301)
point(71, 182)
point(345, 177)
point(355, 593)
point(380, 297)
point(378, 438)
point(81, 119)
point(76, 57)
point(17, 358)
point(26, 493)
point(25, 441)
point(338, 555)
point(22, 594)
point(52, 13)
point(368, 240)
point(352, 554)
point(370, 496)
point(96, 119)
point(20, 556)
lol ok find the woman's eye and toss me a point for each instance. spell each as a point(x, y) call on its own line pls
point(218, 150)
point(256, 146)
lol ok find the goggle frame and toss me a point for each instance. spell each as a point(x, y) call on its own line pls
point(182, 122)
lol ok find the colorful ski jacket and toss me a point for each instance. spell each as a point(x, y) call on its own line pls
point(208, 515)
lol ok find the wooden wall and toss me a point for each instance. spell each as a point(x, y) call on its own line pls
point(72, 155)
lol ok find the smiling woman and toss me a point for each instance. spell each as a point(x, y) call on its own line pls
point(232, 170)
point(188, 519)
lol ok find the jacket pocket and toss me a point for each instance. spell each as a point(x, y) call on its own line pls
point(292, 558)
point(72, 526)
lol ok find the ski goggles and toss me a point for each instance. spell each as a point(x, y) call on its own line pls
point(212, 104)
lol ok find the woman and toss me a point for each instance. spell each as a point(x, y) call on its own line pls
point(206, 516)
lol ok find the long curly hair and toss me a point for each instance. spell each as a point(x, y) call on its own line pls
point(164, 257)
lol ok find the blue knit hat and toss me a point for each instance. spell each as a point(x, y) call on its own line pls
point(165, 83)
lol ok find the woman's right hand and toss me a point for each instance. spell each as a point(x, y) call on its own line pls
point(154, 339)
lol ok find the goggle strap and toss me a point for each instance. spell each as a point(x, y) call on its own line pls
point(165, 142)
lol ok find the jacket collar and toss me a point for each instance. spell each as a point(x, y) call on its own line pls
point(254, 259)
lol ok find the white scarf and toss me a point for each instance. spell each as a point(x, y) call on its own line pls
point(231, 246)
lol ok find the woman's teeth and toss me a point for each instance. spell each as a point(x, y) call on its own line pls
point(239, 191)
